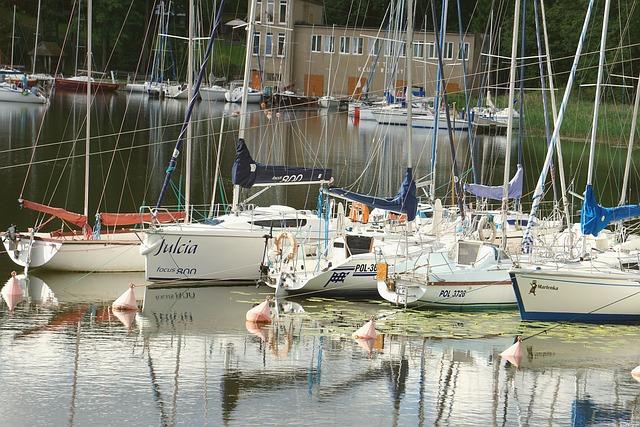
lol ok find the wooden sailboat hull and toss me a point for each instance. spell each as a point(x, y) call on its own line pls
point(577, 296)
point(81, 85)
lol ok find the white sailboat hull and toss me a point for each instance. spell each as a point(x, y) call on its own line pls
point(77, 254)
point(235, 95)
point(10, 94)
point(399, 118)
point(214, 93)
point(578, 296)
point(201, 253)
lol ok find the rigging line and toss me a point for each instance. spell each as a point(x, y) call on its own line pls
point(33, 151)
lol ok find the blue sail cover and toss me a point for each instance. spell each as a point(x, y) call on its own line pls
point(247, 173)
point(496, 192)
point(404, 202)
point(594, 218)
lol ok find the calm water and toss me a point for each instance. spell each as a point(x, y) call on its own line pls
point(189, 358)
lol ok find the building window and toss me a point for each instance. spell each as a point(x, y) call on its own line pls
point(283, 12)
point(463, 50)
point(403, 49)
point(268, 44)
point(329, 46)
point(374, 47)
point(270, 11)
point(316, 43)
point(357, 44)
point(418, 50)
point(432, 51)
point(280, 51)
point(448, 51)
point(344, 44)
point(258, 11)
point(256, 44)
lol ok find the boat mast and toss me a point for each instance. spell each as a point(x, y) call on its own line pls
point(88, 120)
point(245, 92)
point(527, 239)
point(409, 82)
point(627, 166)
point(439, 89)
point(333, 41)
point(191, 94)
point(507, 155)
point(554, 111)
point(35, 48)
point(75, 70)
point(13, 34)
point(596, 106)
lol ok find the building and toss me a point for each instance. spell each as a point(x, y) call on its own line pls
point(293, 49)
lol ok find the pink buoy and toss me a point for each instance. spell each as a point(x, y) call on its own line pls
point(367, 331)
point(256, 329)
point(514, 353)
point(126, 301)
point(125, 317)
point(261, 313)
point(636, 373)
point(12, 292)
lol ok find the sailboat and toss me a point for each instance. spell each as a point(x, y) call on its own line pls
point(14, 85)
point(80, 247)
point(231, 247)
point(592, 288)
point(471, 274)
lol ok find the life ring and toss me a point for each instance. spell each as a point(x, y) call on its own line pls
point(484, 226)
point(279, 243)
point(359, 212)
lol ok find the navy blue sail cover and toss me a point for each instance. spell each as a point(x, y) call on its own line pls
point(594, 218)
point(496, 192)
point(247, 173)
point(405, 201)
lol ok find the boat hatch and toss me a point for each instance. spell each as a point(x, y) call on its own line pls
point(359, 244)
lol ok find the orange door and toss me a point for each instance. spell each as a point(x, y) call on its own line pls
point(255, 80)
point(313, 84)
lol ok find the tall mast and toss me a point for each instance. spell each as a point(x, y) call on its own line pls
point(409, 90)
point(35, 48)
point(245, 91)
point(191, 94)
point(627, 166)
point(88, 119)
point(439, 88)
point(507, 154)
point(596, 107)
point(75, 69)
point(13, 33)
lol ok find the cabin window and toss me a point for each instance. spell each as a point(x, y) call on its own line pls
point(448, 51)
point(258, 11)
point(316, 43)
point(463, 50)
point(329, 46)
point(344, 45)
point(359, 244)
point(283, 12)
point(338, 245)
point(418, 50)
point(374, 47)
point(280, 223)
point(268, 44)
point(356, 45)
point(280, 51)
point(270, 11)
point(256, 44)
